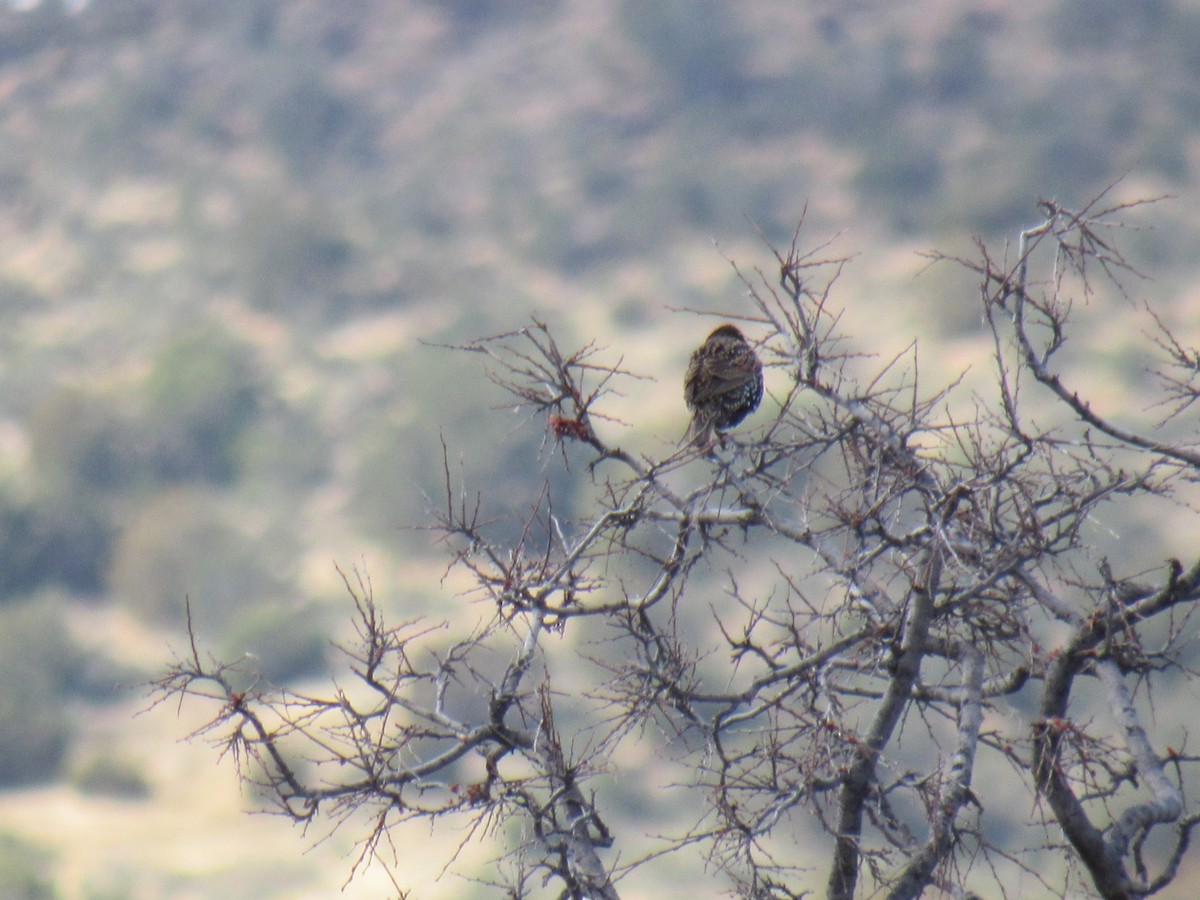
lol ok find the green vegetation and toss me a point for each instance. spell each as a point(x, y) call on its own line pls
point(183, 545)
point(291, 260)
point(278, 642)
point(39, 668)
point(200, 396)
point(24, 870)
point(105, 775)
point(56, 538)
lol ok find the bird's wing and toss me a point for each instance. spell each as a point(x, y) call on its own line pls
point(710, 378)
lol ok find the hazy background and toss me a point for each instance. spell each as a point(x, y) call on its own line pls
point(226, 226)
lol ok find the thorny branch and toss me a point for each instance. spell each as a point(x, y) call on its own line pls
point(879, 610)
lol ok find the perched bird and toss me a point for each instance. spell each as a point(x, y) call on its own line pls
point(723, 385)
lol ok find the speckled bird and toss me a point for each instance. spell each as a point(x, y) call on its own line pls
point(724, 384)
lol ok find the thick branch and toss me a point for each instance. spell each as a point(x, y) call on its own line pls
point(956, 790)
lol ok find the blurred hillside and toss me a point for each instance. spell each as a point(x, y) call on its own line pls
point(228, 226)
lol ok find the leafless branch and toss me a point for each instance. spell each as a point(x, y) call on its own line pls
point(837, 620)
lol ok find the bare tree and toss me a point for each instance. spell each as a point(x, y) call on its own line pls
point(879, 623)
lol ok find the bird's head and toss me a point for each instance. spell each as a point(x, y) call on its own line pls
point(726, 331)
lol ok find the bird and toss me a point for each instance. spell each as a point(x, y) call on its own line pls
point(723, 385)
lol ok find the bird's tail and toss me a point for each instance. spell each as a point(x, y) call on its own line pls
point(699, 432)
